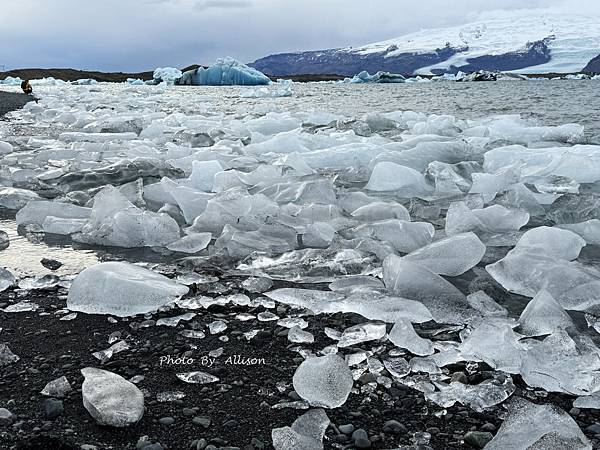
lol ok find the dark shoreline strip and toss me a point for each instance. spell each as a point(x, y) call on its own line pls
point(11, 101)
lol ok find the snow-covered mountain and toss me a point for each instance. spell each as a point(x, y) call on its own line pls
point(524, 42)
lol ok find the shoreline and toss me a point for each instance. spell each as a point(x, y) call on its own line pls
point(11, 101)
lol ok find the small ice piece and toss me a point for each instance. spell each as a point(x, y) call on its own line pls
point(121, 289)
point(290, 322)
point(552, 242)
point(174, 321)
point(251, 334)
point(192, 243)
point(397, 367)
point(217, 327)
point(195, 278)
point(588, 401)
point(15, 199)
point(306, 433)
point(589, 230)
point(376, 211)
point(403, 236)
point(363, 332)
point(483, 303)
point(245, 317)
point(216, 352)
point(495, 344)
point(389, 176)
point(424, 365)
point(451, 256)
point(104, 355)
point(324, 381)
point(543, 315)
point(21, 307)
point(169, 396)
point(296, 334)
point(57, 388)
point(110, 399)
point(356, 283)
point(267, 316)
point(257, 285)
point(7, 279)
point(71, 316)
point(193, 334)
point(45, 282)
point(478, 397)
point(529, 426)
point(493, 219)
point(6, 356)
point(197, 377)
point(403, 335)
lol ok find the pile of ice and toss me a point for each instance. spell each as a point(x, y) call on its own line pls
point(379, 77)
point(224, 72)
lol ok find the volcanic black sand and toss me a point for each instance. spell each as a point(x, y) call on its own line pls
point(9, 101)
point(235, 412)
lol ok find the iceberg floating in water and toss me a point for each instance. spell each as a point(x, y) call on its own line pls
point(379, 77)
point(224, 72)
point(166, 74)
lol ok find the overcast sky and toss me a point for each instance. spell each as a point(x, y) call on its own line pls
point(135, 35)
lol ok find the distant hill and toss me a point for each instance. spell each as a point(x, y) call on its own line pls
point(73, 74)
point(527, 43)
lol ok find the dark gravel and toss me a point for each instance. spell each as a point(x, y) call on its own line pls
point(10, 101)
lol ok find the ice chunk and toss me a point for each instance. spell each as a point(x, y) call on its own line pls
point(588, 230)
point(478, 397)
point(376, 211)
point(451, 256)
point(402, 235)
point(551, 242)
point(529, 426)
point(226, 71)
point(203, 175)
point(324, 381)
point(115, 221)
point(7, 279)
point(197, 377)
point(296, 334)
point(403, 335)
point(483, 303)
point(363, 332)
point(104, 355)
point(407, 182)
point(493, 219)
point(121, 289)
point(110, 399)
point(588, 401)
point(408, 280)
point(192, 243)
point(7, 357)
point(166, 74)
point(543, 315)
point(57, 388)
point(35, 212)
point(496, 345)
point(306, 433)
point(14, 198)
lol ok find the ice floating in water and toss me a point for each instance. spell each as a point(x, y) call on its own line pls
point(528, 426)
point(283, 88)
point(379, 77)
point(226, 71)
point(167, 74)
point(121, 289)
point(306, 433)
point(323, 381)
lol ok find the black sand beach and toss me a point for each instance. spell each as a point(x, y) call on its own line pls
point(9, 101)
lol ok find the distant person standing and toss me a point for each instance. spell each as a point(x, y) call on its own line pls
point(26, 86)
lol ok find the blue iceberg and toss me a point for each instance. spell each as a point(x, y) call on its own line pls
point(166, 74)
point(379, 77)
point(224, 72)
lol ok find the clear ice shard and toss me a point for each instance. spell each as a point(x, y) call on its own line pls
point(545, 427)
point(407, 182)
point(7, 357)
point(493, 219)
point(412, 281)
point(324, 381)
point(297, 335)
point(121, 289)
point(197, 377)
point(403, 335)
point(543, 315)
point(403, 236)
point(478, 397)
point(306, 433)
point(450, 256)
point(495, 344)
point(7, 279)
point(110, 399)
point(363, 332)
point(561, 363)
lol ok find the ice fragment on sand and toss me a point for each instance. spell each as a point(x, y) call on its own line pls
point(403, 335)
point(363, 332)
point(7, 279)
point(296, 334)
point(6, 356)
point(306, 433)
point(121, 289)
point(324, 381)
point(529, 426)
point(111, 399)
point(197, 377)
point(57, 388)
